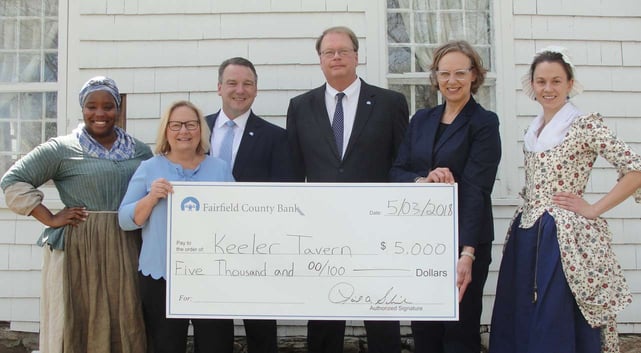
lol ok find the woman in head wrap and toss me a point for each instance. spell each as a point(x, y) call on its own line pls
point(90, 300)
point(560, 286)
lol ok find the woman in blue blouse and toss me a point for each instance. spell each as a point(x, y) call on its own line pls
point(181, 149)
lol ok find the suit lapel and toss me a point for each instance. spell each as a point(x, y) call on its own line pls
point(432, 127)
point(366, 103)
point(211, 121)
point(321, 118)
point(461, 120)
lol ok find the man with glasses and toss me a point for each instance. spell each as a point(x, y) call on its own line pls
point(346, 131)
point(257, 151)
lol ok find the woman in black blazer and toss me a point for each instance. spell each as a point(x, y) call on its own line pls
point(457, 142)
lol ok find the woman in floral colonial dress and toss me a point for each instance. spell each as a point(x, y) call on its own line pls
point(560, 286)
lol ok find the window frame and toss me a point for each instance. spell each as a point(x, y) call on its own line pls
point(47, 87)
point(414, 78)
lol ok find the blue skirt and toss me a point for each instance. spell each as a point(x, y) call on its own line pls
point(534, 310)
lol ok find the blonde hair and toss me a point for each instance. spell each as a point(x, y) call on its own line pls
point(162, 145)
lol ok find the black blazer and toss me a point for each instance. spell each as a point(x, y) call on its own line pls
point(263, 154)
point(380, 123)
point(471, 148)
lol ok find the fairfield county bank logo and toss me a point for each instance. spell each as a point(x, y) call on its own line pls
point(190, 204)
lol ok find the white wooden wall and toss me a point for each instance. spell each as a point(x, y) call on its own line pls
point(159, 51)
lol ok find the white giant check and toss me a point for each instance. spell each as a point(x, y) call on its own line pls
point(312, 251)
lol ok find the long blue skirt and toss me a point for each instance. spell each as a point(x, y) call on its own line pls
point(552, 322)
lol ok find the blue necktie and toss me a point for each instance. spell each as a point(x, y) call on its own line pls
point(227, 143)
point(337, 122)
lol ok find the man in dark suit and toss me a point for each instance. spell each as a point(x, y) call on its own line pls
point(346, 131)
point(259, 153)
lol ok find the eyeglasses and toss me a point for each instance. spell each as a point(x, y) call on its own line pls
point(459, 75)
point(189, 125)
point(330, 53)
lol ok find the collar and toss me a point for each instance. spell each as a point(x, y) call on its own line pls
point(350, 92)
point(554, 132)
point(241, 120)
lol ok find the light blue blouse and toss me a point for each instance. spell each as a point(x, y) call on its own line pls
point(153, 255)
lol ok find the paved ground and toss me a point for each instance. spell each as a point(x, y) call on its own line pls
point(20, 342)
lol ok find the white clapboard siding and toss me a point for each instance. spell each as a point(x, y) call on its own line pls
point(160, 51)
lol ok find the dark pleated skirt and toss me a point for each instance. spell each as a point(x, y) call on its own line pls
point(552, 323)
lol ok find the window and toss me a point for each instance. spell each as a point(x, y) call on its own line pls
point(28, 76)
point(416, 27)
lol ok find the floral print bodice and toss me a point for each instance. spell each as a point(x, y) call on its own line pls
point(590, 266)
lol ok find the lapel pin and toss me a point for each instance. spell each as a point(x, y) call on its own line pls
point(368, 103)
point(251, 133)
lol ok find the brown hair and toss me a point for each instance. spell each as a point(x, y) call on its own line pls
point(338, 29)
point(464, 47)
point(236, 61)
point(554, 57)
point(162, 145)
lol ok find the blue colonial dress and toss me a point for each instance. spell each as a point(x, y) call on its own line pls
point(560, 286)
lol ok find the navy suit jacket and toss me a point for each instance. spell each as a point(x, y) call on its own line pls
point(380, 122)
point(263, 154)
point(471, 148)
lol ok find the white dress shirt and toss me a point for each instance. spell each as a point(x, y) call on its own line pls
point(220, 129)
point(350, 103)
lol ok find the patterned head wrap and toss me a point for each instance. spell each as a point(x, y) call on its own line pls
point(99, 83)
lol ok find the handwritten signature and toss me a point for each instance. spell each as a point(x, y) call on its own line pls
point(345, 293)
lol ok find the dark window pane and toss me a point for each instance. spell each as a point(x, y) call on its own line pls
point(451, 4)
point(426, 96)
point(478, 27)
point(50, 7)
point(8, 72)
point(31, 106)
point(9, 103)
point(30, 34)
point(31, 8)
point(51, 68)
point(30, 136)
point(424, 57)
point(50, 130)
point(485, 97)
point(425, 29)
point(397, 24)
point(5, 163)
point(485, 54)
point(29, 67)
point(9, 8)
point(5, 137)
point(399, 60)
point(51, 105)
point(478, 5)
point(8, 33)
point(398, 4)
point(50, 35)
point(426, 5)
point(404, 89)
point(451, 27)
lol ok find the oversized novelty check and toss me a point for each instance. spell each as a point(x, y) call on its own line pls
point(312, 251)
